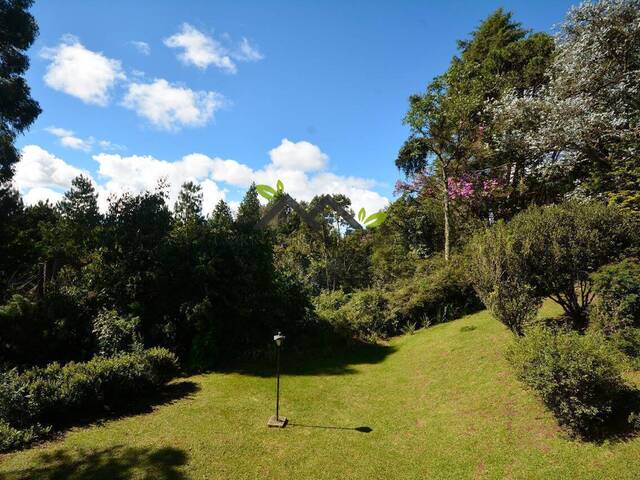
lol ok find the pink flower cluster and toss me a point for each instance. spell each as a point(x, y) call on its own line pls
point(460, 188)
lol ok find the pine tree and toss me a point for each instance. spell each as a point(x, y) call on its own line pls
point(249, 211)
point(18, 110)
point(188, 207)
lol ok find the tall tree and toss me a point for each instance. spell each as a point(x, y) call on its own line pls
point(188, 207)
point(249, 210)
point(447, 122)
point(18, 30)
point(584, 127)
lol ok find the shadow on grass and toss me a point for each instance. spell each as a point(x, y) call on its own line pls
point(167, 395)
point(363, 429)
point(336, 361)
point(115, 463)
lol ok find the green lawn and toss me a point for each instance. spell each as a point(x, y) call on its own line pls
point(442, 403)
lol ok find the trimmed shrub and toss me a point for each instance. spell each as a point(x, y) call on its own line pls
point(497, 271)
point(49, 397)
point(578, 377)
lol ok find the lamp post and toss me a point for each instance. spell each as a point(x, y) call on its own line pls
point(276, 420)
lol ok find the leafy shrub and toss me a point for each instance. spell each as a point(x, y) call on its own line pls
point(497, 273)
point(362, 314)
point(547, 251)
point(366, 314)
point(48, 397)
point(437, 292)
point(616, 309)
point(562, 245)
point(579, 377)
point(617, 288)
point(115, 334)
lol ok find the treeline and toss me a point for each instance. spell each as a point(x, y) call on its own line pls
point(80, 283)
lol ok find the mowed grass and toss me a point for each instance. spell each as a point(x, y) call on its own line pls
point(442, 403)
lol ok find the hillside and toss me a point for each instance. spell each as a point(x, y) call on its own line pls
point(441, 403)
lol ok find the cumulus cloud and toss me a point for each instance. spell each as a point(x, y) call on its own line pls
point(201, 50)
point(41, 194)
point(139, 173)
point(302, 156)
point(300, 165)
point(141, 47)
point(80, 72)
point(170, 107)
point(39, 168)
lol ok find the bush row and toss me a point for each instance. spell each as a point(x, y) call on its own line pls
point(437, 292)
point(39, 399)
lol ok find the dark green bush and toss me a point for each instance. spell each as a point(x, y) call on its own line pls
point(437, 292)
point(362, 314)
point(616, 309)
point(49, 397)
point(579, 377)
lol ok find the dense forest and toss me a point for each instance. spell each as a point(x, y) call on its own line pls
point(520, 181)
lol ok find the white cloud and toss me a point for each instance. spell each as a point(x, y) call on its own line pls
point(171, 107)
point(139, 173)
point(247, 52)
point(67, 138)
point(141, 47)
point(80, 72)
point(39, 168)
point(302, 156)
point(42, 194)
point(300, 165)
point(42, 175)
point(200, 50)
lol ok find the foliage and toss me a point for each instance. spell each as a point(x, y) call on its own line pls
point(115, 334)
point(578, 377)
point(17, 109)
point(616, 309)
point(47, 397)
point(547, 251)
point(581, 130)
point(563, 244)
point(362, 314)
point(497, 270)
point(447, 121)
point(438, 291)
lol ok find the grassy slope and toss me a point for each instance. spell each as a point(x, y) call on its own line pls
point(441, 404)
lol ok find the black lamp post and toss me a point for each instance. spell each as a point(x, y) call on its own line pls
point(276, 420)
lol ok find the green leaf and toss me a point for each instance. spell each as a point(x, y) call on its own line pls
point(362, 214)
point(265, 191)
point(280, 186)
point(375, 219)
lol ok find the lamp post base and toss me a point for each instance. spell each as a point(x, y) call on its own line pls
point(277, 422)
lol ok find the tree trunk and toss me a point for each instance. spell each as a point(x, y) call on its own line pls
point(446, 208)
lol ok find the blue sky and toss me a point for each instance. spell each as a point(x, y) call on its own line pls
point(225, 93)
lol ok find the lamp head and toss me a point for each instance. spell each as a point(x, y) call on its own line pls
point(278, 338)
